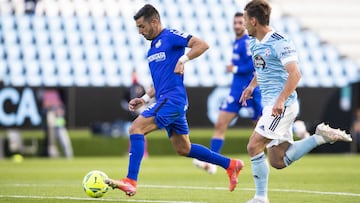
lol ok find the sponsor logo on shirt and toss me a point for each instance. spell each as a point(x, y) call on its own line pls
point(157, 57)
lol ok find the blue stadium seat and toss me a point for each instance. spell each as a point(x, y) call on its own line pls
point(76, 52)
point(80, 73)
point(49, 73)
point(7, 22)
point(112, 73)
point(64, 72)
point(29, 52)
point(39, 23)
point(41, 37)
point(96, 73)
point(13, 52)
point(60, 52)
point(33, 73)
point(16, 73)
point(45, 53)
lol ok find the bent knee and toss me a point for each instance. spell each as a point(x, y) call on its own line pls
point(277, 164)
point(182, 151)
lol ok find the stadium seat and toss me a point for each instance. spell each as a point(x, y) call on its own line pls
point(45, 53)
point(29, 53)
point(33, 73)
point(13, 52)
point(16, 73)
point(49, 73)
point(80, 73)
point(112, 73)
point(64, 70)
point(41, 37)
point(96, 73)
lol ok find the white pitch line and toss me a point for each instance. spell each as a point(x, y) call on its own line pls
point(89, 199)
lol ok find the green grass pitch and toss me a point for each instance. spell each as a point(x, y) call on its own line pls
point(173, 179)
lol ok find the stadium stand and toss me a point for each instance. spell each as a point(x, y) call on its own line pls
point(96, 43)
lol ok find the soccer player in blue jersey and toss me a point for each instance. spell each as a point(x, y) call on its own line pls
point(166, 58)
point(277, 74)
point(243, 71)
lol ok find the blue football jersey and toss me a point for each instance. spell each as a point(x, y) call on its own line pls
point(241, 57)
point(164, 53)
point(270, 57)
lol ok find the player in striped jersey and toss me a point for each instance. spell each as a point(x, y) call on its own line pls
point(243, 71)
point(277, 74)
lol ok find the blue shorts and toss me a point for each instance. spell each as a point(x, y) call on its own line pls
point(170, 115)
point(231, 103)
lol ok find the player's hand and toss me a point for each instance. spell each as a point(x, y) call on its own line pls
point(246, 94)
point(179, 68)
point(278, 108)
point(229, 68)
point(135, 104)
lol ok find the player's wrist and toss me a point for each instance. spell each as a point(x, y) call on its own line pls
point(184, 58)
point(234, 69)
point(146, 98)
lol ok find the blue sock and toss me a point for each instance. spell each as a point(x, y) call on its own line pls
point(135, 155)
point(204, 154)
point(216, 144)
point(299, 149)
point(260, 169)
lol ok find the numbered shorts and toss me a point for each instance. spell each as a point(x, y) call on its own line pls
point(170, 115)
point(277, 128)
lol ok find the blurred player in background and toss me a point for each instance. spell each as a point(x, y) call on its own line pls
point(243, 71)
point(277, 74)
point(166, 58)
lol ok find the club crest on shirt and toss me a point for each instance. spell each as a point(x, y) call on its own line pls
point(259, 62)
point(158, 43)
point(267, 52)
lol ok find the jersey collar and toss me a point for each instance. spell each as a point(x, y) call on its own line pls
point(267, 36)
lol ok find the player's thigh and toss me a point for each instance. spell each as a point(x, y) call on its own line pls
point(181, 143)
point(142, 125)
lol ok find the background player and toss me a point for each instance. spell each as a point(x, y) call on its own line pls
point(243, 71)
point(166, 60)
point(277, 74)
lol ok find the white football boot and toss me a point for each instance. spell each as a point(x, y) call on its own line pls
point(332, 135)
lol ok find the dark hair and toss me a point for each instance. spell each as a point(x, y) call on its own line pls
point(259, 9)
point(238, 14)
point(149, 12)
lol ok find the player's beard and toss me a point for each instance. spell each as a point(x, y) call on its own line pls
point(150, 34)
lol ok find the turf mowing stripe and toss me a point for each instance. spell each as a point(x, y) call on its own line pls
point(252, 189)
point(89, 199)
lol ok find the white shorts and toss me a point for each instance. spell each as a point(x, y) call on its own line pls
point(277, 128)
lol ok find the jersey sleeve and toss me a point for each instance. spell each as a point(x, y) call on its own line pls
point(286, 52)
point(178, 38)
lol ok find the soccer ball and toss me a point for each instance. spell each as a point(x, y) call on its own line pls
point(94, 184)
